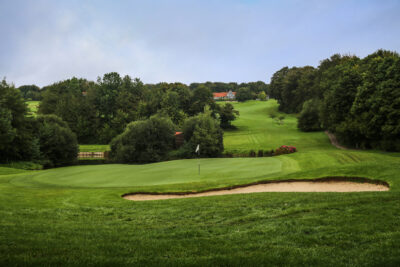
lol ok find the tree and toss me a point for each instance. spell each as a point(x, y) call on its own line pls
point(291, 87)
point(262, 96)
point(144, 141)
point(171, 106)
point(309, 118)
point(106, 96)
point(202, 96)
point(204, 130)
point(58, 144)
point(244, 94)
point(375, 112)
point(74, 101)
point(227, 114)
point(341, 83)
point(17, 141)
point(30, 92)
point(276, 83)
point(7, 131)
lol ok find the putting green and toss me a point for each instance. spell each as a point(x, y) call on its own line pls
point(170, 172)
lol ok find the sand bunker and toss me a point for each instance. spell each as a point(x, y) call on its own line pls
point(276, 186)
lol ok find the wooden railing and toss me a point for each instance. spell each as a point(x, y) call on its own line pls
point(97, 155)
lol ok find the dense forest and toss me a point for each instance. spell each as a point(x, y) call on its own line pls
point(356, 99)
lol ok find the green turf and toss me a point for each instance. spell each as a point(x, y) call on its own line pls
point(76, 216)
point(94, 148)
point(256, 130)
point(33, 107)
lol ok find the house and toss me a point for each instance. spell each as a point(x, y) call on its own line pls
point(225, 95)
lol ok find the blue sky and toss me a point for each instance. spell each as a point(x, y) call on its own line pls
point(188, 41)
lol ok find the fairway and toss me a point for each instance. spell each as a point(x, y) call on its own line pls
point(76, 215)
point(256, 130)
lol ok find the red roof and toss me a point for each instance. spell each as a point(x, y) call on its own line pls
point(220, 94)
point(178, 133)
point(223, 94)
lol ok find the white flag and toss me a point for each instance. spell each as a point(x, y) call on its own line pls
point(197, 148)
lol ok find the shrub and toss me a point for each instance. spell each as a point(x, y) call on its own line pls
point(144, 141)
point(227, 114)
point(285, 150)
point(57, 143)
point(268, 153)
point(205, 131)
point(262, 96)
point(260, 153)
point(228, 154)
point(309, 118)
point(252, 153)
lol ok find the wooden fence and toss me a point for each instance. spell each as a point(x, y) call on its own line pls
point(96, 155)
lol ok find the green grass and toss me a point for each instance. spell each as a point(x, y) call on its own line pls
point(256, 130)
point(33, 107)
point(94, 148)
point(76, 216)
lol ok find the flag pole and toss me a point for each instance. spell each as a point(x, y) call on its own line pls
point(198, 157)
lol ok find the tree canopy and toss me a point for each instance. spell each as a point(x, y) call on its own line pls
point(359, 99)
point(144, 141)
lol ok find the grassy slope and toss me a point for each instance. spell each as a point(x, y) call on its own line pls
point(33, 107)
point(256, 130)
point(75, 215)
point(93, 148)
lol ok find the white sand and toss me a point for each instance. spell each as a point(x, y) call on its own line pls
point(300, 186)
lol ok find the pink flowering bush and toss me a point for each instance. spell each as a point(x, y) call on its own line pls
point(285, 150)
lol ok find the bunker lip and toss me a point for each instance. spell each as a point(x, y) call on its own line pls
point(326, 184)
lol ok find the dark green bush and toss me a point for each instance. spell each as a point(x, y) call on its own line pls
point(204, 130)
point(58, 144)
point(144, 141)
point(309, 118)
point(252, 153)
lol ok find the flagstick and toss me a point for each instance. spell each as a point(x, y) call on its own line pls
point(198, 157)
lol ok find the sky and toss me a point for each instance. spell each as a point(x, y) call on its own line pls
point(45, 41)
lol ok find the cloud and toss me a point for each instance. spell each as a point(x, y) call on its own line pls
point(187, 41)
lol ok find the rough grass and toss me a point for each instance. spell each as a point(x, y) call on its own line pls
point(76, 216)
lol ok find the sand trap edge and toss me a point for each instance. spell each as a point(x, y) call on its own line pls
point(384, 186)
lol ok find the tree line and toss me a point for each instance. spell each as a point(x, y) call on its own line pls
point(46, 139)
point(99, 111)
point(246, 91)
point(356, 99)
point(139, 120)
